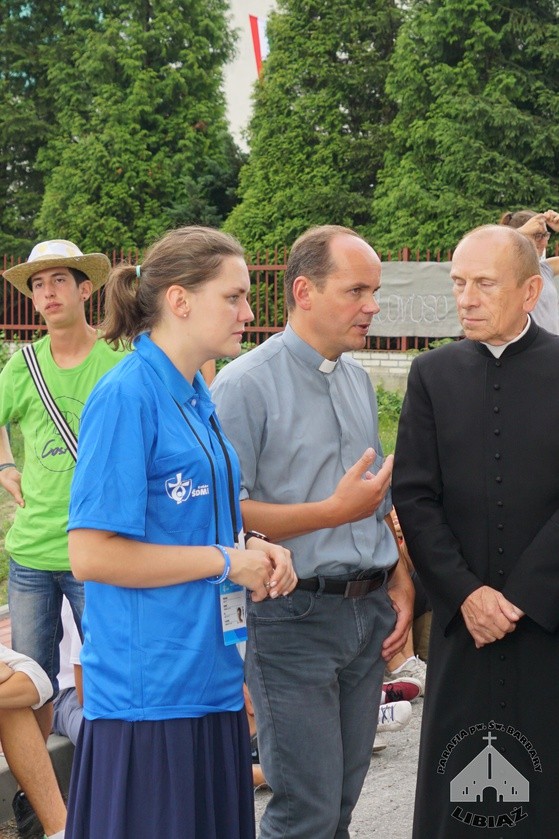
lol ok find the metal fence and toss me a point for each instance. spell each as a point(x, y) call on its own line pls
point(266, 271)
point(19, 320)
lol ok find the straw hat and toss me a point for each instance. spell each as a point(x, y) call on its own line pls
point(57, 253)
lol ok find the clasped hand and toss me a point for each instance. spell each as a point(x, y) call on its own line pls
point(489, 616)
point(267, 570)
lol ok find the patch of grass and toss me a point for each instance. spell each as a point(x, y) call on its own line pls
point(389, 407)
point(7, 511)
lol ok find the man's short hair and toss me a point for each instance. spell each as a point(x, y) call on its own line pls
point(310, 257)
point(526, 259)
point(78, 276)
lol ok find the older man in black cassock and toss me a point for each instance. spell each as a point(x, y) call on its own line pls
point(476, 488)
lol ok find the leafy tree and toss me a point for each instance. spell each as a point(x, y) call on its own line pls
point(27, 30)
point(477, 132)
point(320, 116)
point(141, 141)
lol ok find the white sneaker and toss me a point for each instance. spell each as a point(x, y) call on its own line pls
point(393, 716)
point(415, 669)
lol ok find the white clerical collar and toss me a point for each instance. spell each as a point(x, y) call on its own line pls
point(328, 366)
point(497, 351)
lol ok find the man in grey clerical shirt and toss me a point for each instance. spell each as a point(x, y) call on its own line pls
point(303, 419)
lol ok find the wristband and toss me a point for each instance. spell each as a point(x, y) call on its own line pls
point(254, 533)
point(7, 466)
point(215, 581)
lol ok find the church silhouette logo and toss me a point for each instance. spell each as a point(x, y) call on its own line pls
point(489, 771)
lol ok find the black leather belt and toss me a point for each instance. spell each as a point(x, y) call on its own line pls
point(349, 588)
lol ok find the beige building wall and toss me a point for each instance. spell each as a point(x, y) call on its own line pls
point(241, 73)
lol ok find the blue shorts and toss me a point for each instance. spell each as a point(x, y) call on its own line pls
point(35, 600)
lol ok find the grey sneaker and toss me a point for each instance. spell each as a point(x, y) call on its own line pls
point(415, 669)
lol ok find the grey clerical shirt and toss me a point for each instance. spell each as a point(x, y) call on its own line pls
point(298, 423)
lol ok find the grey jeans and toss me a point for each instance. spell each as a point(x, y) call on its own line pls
point(314, 672)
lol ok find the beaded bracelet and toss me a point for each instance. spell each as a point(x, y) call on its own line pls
point(227, 568)
point(7, 466)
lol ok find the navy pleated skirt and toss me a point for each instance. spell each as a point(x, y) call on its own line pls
point(169, 779)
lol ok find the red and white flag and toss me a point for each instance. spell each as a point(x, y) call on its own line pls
point(259, 40)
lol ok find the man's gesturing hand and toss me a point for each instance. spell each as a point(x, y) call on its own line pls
point(359, 493)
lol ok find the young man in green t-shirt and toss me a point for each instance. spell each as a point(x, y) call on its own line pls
point(72, 358)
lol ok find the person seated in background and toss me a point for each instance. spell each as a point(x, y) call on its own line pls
point(38, 805)
point(68, 704)
point(410, 663)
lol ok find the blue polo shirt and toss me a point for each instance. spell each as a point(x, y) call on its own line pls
point(146, 472)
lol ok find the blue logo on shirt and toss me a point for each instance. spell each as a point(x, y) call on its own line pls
point(177, 489)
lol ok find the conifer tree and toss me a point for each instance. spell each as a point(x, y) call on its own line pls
point(141, 141)
point(27, 114)
point(476, 84)
point(320, 115)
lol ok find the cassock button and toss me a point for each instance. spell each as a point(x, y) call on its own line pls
point(500, 550)
point(497, 456)
point(501, 681)
point(503, 704)
point(498, 363)
point(500, 526)
point(496, 387)
point(500, 572)
point(502, 657)
point(503, 749)
point(499, 479)
point(497, 431)
point(496, 409)
point(499, 503)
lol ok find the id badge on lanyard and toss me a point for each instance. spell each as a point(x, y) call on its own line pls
point(232, 602)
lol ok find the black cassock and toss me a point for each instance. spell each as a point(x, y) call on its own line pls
point(476, 488)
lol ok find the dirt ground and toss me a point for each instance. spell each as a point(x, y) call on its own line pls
point(8, 831)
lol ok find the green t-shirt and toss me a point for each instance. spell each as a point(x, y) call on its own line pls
point(38, 538)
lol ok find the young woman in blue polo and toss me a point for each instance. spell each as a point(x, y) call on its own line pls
point(154, 522)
